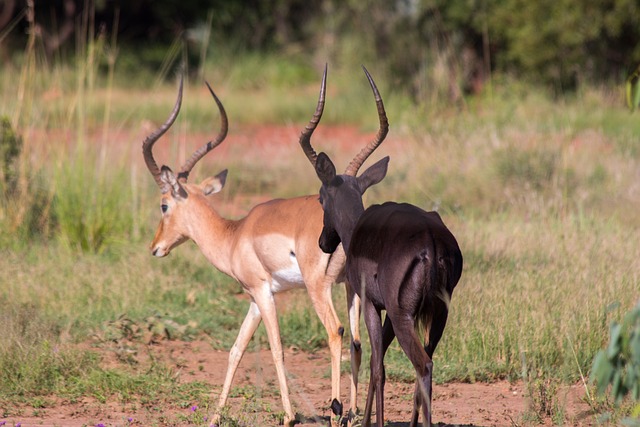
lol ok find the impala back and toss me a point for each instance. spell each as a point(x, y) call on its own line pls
point(398, 243)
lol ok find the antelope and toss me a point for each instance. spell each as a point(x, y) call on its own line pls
point(400, 259)
point(272, 249)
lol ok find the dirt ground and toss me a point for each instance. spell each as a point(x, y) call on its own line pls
point(255, 397)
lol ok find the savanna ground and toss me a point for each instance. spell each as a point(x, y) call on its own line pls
point(542, 194)
point(255, 397)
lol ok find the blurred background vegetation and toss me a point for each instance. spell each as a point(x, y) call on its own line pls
point(506, 116)
point(559, 43)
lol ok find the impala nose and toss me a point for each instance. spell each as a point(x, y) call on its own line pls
point(158, 252)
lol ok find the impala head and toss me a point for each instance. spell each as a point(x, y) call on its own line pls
point(341, 195)
point(341, 199)
point(179, 198)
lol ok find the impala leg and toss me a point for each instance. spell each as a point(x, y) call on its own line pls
point(323, 306)
point(410, 343)
point(424, 387)
point(248, 328)
point(417, 403)
point(264, 299)
point(373, 321)
point(388, 334)
point(353, 308)
point(438, 323)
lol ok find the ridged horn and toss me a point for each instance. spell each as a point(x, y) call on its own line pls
point(147, 145)
point(362, 156)
point(305, 136)
point(183, 175)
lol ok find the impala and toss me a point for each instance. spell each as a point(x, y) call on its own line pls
point(272, 249)
point(400, 259)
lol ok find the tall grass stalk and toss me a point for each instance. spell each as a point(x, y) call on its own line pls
point(29, 66)
point(111, 53)
point(204, 45)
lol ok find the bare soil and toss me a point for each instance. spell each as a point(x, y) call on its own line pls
point(255, 397)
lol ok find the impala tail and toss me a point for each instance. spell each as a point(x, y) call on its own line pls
point(443, 276)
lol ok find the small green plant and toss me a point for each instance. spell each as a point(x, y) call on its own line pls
point(544, 404)
point(618, 366)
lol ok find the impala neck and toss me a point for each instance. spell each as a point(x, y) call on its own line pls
point(347, 226)
point(214, 235)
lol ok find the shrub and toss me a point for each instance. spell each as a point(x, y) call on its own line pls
point(618, 365)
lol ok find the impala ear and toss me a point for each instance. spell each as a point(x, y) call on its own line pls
point(170, 183)
point(214, 184)
point(325, 169)
point(373, 175)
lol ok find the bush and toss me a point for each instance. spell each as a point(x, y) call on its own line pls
point(618, 365)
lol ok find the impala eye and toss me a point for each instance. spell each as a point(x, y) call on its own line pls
point(164, 207)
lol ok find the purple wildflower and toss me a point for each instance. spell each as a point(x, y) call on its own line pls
point(194, 408)
point(2, 423)
point(100, 425)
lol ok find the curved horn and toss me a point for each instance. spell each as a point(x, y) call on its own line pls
point(202, 151)
point(362, 156)
point(147, 145)
point(305, 136)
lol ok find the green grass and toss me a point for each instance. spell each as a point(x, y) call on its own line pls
point(542, 195)
point(36, 365)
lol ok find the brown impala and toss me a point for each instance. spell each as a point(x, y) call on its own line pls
point(273, 249)
point(399, 258)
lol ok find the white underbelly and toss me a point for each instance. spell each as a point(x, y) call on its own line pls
point(287, 278)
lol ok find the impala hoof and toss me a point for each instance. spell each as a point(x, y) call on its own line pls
point(215, 420)
point(336, 407)
point(289, 421)
point(353, 419)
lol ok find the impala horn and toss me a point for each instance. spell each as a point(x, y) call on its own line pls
point(183, 174)
point(305, 136)
point(202, 151)
point(147, 145)
point(362, 156)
